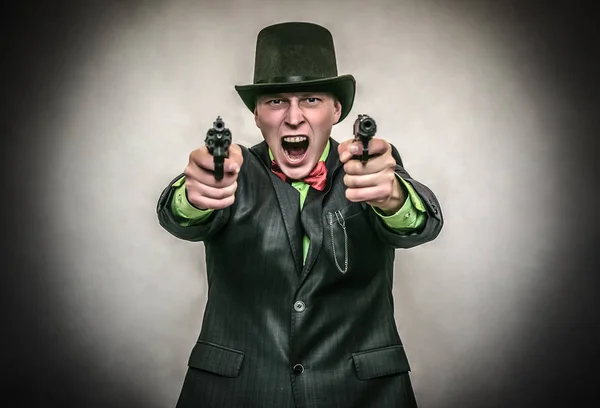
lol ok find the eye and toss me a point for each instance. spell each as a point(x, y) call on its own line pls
point(312, 100)
point(274, 101)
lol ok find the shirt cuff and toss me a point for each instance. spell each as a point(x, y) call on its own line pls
point(182, 208)
point(410, 216)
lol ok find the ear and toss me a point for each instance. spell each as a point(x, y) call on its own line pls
point(337, 110)
point(256, 115)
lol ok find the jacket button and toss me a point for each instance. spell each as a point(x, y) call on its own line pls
point(298, 369)
point(299, 306)
point(435, 210)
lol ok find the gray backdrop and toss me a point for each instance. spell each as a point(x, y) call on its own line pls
point(463, 92)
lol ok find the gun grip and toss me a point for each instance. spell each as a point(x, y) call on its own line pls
point(218, 168)
point(364, 157)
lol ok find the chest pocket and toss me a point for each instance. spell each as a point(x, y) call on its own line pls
point(341, 229)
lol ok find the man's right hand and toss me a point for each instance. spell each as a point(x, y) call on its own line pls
point(203, 190)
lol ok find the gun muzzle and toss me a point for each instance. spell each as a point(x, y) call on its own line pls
point(217, 141)
point(365, 128)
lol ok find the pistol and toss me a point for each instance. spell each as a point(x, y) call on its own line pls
point(217, 141)
point(364, 130)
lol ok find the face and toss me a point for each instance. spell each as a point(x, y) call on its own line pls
point(297, 126)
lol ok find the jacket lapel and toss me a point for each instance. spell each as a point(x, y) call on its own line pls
point(310, 220)
point(312, 213)
point(289, 203)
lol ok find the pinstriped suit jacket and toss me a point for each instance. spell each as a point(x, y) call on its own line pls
point(280, 334)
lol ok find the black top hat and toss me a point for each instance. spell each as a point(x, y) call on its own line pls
point(297, 57)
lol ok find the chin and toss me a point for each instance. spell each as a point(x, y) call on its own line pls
point(298, 173)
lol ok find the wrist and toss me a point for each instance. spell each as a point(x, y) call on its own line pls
point(395, 202)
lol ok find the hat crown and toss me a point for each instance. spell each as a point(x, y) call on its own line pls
point(301, 50)
point(297, 57)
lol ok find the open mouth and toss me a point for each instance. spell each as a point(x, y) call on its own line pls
point(295, 147)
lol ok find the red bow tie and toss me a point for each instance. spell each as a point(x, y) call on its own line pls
point(316, 179)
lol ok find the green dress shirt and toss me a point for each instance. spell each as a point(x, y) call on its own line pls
point(409, 217)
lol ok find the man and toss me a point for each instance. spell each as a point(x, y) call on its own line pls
point(300, 240)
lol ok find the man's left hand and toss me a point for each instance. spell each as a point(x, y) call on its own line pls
point(375, 181)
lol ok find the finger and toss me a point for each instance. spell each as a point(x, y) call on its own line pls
point(372, 166)
point(376, 146)
point(235, 157)
point(369, 180)
point(210, 192)
point(204, 202)
point(236, 150)
point(375, 193)
point(202, 158)
point(349, 150)
point(343, 150)
point(195, 173)
point(344, 144)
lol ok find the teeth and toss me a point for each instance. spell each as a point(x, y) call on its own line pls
point(294, 139)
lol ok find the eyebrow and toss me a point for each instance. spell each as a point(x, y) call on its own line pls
point(281, 95)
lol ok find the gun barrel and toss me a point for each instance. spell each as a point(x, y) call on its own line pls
point(217, 141)
point(365, 128)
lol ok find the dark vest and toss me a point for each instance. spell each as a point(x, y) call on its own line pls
point(279, 334)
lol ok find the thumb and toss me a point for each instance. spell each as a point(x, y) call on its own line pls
point(344, 150)
point(343, 147)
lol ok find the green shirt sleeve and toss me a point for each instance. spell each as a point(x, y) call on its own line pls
point(183, 210)
point(410, 216)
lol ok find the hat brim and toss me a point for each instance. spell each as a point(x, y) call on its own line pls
point(343, 87)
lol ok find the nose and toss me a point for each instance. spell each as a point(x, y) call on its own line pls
point(294, 116)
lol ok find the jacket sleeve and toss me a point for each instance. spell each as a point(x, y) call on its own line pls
point(410, 216)
point(175, 226)
point(427, 231)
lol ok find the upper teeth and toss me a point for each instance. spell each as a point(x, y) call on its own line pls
point(294, 139)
